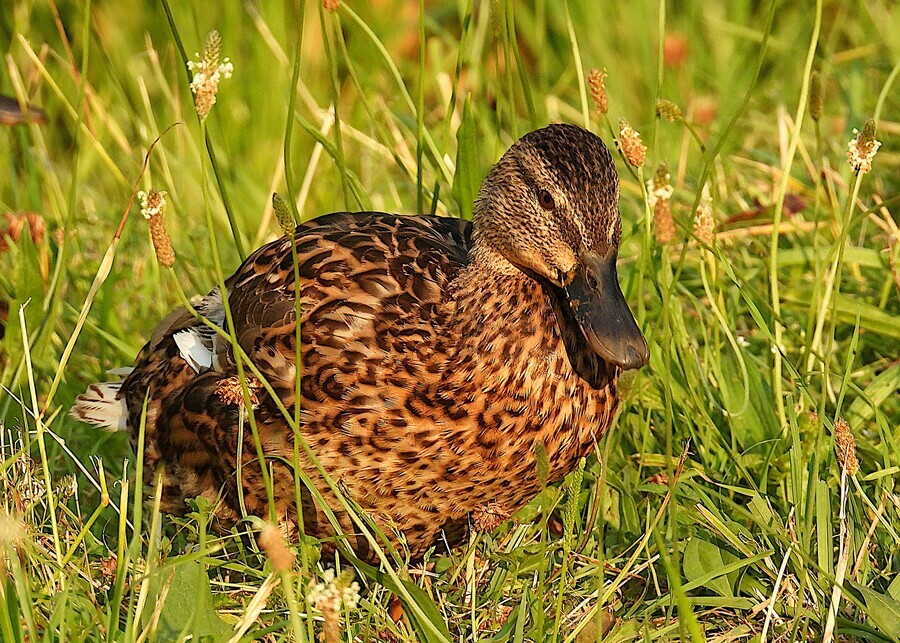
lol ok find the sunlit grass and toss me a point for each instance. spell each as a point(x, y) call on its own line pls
point(717, 506)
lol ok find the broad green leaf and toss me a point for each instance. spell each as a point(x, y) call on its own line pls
point(804, 256)
point(879, 390)
point(188, 606)
point(701, 557)
point(467, 180)
point(631, 521)
point(612, 516)
point(871, 318)
point(755, 422)
point(11, 625)
point(521, 616)
point(530, 563)
point(762, 511)
point(893, 589)
point(883, 611)
point(850, 308)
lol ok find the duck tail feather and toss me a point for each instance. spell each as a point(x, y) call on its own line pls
point(198, 345)
point(101, 406)
point(195, 349)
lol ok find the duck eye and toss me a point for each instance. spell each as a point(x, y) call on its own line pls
point(546, 200)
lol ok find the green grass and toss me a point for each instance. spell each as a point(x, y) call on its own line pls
point(719, 511)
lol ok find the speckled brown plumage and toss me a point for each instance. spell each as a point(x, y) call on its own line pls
point(435, 354)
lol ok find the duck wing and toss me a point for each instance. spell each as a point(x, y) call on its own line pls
point(374, 289)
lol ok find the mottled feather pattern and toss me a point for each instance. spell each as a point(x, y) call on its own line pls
point(430, 368)
point(375, 408)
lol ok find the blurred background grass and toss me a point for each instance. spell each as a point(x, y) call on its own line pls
point(761, 477)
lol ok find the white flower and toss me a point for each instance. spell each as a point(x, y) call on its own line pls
point(207, 73)
point(661, 192)
point(862, 149)
point(152, 202)
point(202, 76)
point(330, 594)
point(703, 219)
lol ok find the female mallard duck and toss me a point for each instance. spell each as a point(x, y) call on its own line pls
point(435, 354)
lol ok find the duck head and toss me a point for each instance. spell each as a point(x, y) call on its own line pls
point(550, 208)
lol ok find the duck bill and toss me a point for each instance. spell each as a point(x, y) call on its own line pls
point(603, 315)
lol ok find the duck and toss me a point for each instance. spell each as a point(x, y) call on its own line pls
point(438, 357)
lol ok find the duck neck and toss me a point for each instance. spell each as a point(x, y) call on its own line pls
point(490, 262)
point(504, 315)
point(513, 327)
